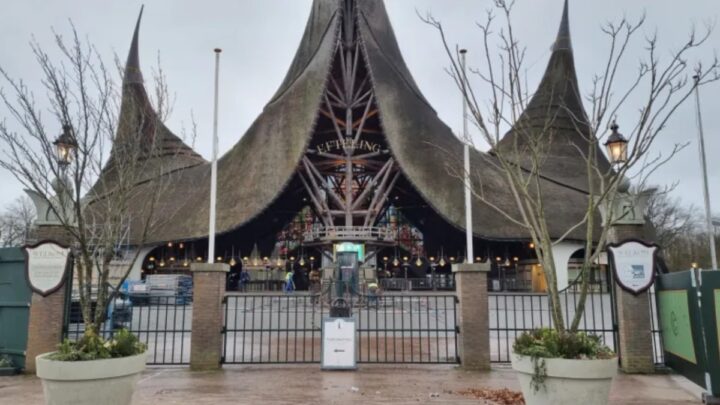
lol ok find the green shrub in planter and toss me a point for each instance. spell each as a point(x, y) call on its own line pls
point(93, 347)
point(546, 343)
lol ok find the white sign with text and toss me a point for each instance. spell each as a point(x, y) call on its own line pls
point(338, 344)
point(46, 266)
point(633, 265)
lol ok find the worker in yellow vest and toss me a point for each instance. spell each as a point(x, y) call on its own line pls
point(373, 290)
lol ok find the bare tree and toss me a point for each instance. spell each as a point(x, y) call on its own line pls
point(16, 222)
point(679, 229)
point(93, 198)
point(660, 84)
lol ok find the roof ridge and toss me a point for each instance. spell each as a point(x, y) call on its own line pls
point(132, 65)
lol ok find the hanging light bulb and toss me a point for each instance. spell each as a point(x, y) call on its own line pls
point(418, 262)
point(199, 258)
point(442, 262)
point(152, 259)
point(185, 263)
point(162, 263)
point(507, 262)
point(181, 245)
point(396, 262)
point(279, 262)
point(302, 261)
point(233, 262)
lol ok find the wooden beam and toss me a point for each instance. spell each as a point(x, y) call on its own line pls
point(373, 182)
point(364, 117)
point(327, 221)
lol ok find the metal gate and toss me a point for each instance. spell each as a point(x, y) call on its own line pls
point(14, 305)
point(393, 328)
point(512, 313)
point(162, 322)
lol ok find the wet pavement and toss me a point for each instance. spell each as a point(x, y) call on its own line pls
point(376, 384)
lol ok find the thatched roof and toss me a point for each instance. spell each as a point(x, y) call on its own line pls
point(162, 150)
point(556, 119)
point(257, 170)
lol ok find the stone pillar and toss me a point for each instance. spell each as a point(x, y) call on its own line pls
point(633, 312)
point(207, 316)
point(47, 314)
point(474, 338)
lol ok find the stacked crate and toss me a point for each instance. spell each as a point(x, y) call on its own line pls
point(164, 286)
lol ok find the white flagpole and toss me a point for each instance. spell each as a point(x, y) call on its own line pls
point(469, 256)
point(703, 166)
point(213, 170)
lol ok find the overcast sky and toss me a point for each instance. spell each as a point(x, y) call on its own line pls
point(259, 39)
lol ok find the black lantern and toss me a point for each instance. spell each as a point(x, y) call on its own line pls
point(65, 147)
point(616, 145)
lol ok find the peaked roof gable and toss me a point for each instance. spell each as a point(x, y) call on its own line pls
point(554, 121)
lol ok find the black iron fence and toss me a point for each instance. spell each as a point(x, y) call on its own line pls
point(163, 323)
point(514, 313)
point(658, 354)
point(438, 282)
point(390, 328)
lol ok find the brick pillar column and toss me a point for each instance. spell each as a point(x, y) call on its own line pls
point(474, 339)
point(207, 316)
point(47, 314)
point(633, 312)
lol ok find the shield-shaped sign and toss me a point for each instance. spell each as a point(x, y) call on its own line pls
point(45, 266)
point(633, 263)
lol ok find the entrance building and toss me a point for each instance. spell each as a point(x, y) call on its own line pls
point(349, 156)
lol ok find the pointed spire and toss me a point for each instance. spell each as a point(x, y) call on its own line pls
point(562, 42)
point(132, 66)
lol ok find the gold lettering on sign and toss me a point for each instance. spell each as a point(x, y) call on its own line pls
point(349, 144)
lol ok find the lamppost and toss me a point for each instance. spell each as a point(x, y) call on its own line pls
point(616, 146)
point(626, 208)
point(65, 148)
point(58, 210)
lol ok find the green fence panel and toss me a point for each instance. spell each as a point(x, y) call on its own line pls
point(710, 304)
point(681, 325)
point(14, 305)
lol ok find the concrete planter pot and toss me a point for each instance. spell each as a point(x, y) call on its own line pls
point(107, 381)
point(585, 382)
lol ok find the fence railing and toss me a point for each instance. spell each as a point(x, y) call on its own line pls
point(163, 323)
point(390, 328)
point(658, 354)
point(514, 313)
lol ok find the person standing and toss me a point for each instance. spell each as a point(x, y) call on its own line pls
point(289, 283)
point(373, 293)
point(244, 279)
point(315, 285)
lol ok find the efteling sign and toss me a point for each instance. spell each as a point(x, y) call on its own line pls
point(347, 144)
point(45, 266)
point(633, 263)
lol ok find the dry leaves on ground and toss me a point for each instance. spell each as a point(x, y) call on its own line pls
point(501, 396)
